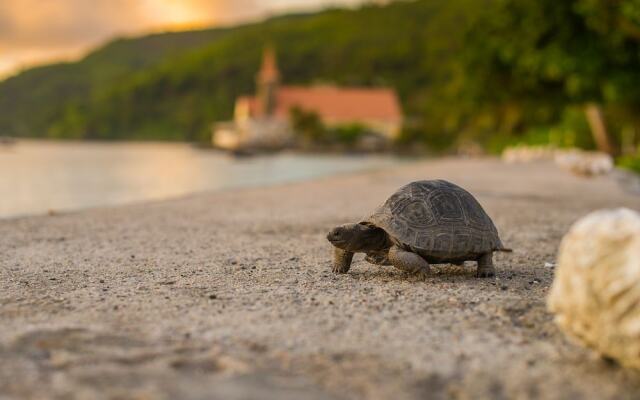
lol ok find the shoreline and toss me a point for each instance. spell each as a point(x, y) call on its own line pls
point(204, 192)
point(229, 293)
point(47, 178)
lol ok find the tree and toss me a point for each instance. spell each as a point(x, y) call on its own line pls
point(307, 124)
point(541, 53)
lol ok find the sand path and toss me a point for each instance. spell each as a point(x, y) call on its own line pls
point(229, 295)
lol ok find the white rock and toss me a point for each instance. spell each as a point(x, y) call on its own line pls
point(596, 291)
point(525, 154)
point(580, 162)
point(586, 163)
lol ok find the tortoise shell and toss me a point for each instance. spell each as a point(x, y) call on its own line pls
point(438, 219)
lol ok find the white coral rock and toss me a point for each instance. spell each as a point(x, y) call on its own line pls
point(585, 163)
point(596, 292)
point(526, 154)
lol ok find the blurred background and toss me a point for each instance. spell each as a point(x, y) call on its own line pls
point(425, 77)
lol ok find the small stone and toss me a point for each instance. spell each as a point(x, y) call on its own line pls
point(101, 280)
point(213, 296)
point(549, 265)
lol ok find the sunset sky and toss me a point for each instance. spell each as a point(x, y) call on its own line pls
point(39, 31)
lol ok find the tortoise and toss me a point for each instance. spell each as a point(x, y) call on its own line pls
point(424, 222)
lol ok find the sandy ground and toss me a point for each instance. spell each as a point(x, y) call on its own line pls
point(229, 295)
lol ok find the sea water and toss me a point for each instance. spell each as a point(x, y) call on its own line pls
point(37, 177)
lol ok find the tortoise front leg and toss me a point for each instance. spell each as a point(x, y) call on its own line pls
point(409, 262)
point(485, 266)
point(341, 260)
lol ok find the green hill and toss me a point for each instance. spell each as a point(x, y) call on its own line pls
point(494, 72)
point(35, 101)
point(173, 85)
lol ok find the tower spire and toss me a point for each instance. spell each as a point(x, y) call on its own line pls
point(268, 80)
point(269, 70)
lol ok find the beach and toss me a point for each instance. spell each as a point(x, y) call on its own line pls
point(230, 295)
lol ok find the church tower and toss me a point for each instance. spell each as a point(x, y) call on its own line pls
point(268, 80)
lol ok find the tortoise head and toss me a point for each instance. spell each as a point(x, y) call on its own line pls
point(358, 237)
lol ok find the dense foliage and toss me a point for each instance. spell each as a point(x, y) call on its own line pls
point(312, 132)
point(39, 102)
point(173, 86)
point(537, 64)
point(487, 71)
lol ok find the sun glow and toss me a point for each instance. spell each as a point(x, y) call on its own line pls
point(178, 14)
point(34, 31)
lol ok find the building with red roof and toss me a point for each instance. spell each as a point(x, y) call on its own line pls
point(265, 117)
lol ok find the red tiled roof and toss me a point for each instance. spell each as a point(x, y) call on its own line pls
point(334, 104)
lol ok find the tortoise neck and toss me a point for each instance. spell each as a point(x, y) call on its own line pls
point(377, 240)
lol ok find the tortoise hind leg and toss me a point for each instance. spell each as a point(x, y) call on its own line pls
point(378, 259)
point(409, 262)
point(485, 266)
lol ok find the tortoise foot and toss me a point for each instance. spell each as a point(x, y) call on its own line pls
point(341, 261)
point(485, 266)
point(339, 270)
point(485, 274)
point(423, 275)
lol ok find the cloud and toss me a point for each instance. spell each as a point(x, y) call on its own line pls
point(38, 22)
point(34, 31)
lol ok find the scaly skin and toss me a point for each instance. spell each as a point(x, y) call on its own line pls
point(378, 258)
point(341, 260)
point(409, 262)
